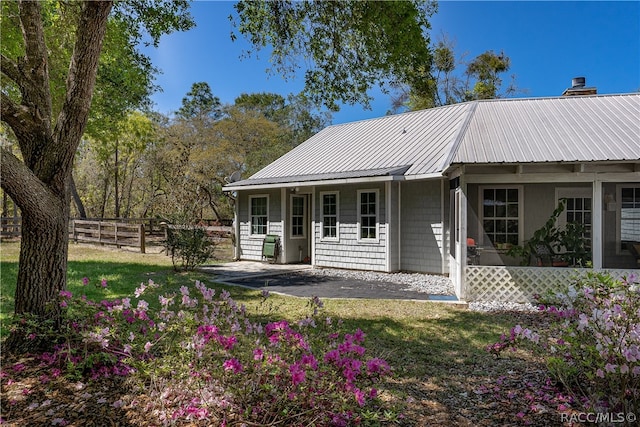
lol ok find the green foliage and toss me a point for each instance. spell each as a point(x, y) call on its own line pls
point(592, 347)
point(480, 79)
point(189, 246)
point(200, 103)
point(550, 240)
point(349, 46)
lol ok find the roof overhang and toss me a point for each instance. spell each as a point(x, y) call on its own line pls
point(335, 178)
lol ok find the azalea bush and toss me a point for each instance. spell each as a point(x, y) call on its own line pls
point(200, 358)
point(592, 349)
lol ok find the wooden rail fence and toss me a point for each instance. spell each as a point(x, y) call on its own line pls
point(108, 233)
point(10, 227)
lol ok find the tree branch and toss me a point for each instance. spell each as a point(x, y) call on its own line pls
point(19, 120)
point(10, 69)
point(25, 189)
point(34, 85)
point(81, 80)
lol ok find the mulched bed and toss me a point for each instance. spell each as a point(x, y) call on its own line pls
point(490, 393)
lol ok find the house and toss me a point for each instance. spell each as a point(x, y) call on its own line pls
point(449, 190)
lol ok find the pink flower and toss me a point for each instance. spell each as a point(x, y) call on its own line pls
point(258, 354)
point(377, 365)
point(103, 282)
point(85, 281)
point(297, 374)
point(147, 347)
point(65, 294)
point(359, 397)
point(232, 365)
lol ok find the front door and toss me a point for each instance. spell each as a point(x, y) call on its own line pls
point(299, 229)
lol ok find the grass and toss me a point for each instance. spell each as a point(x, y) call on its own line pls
point(437, 350)
point(123, 270)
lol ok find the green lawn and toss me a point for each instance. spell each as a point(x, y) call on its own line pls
point(437, 350)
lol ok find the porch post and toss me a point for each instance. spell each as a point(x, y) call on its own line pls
point(596, 225)
point(284, 220)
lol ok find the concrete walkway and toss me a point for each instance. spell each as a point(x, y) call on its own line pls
point(249, 269)
point(293, 280)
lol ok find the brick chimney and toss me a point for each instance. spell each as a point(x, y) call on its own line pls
point(578, 87)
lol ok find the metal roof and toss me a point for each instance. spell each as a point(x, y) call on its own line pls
point(427, 142)
point(565, 129)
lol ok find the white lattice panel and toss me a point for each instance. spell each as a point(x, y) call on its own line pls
point(519, 284)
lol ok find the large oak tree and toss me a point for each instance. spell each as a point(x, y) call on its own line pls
point(48, 126)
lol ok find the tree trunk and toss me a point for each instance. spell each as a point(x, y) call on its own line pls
point(76, 198)
point(115, 186)
point(40, 283)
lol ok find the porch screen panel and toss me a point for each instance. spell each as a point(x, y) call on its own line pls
point(629, 216)
point(259, 215)
point(500, 214)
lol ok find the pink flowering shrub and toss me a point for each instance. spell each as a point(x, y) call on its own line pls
point(201, 358)
point(593, 347)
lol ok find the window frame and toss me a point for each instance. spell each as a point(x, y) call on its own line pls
point(483, 238)
point(304, 217)
point(251, 216)
point(376, 216)
point(324, 237)
point(619, 187)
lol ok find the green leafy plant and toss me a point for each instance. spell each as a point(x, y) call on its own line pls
point(592, 346)
point(551, 244)
point(188, 246)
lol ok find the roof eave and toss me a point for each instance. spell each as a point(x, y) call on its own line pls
point(290, 184)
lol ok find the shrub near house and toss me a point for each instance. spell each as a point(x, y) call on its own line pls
point(593, 351)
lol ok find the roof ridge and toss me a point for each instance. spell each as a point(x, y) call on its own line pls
point(473, 105)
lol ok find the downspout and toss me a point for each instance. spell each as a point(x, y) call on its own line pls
point(399, 225)
point(236, 227)
point(387, 243)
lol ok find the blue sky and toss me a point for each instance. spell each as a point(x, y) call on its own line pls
point(548, 42)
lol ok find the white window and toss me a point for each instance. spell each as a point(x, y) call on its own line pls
point(298, 215)
point(629, 215)
point(330, 222)
point(500, 213)
point(368, 214)
point(577, 209)
point(259, 214)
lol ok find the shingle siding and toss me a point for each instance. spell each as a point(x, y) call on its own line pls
point(348, 252)
point(251, 247)
point(422, 243)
